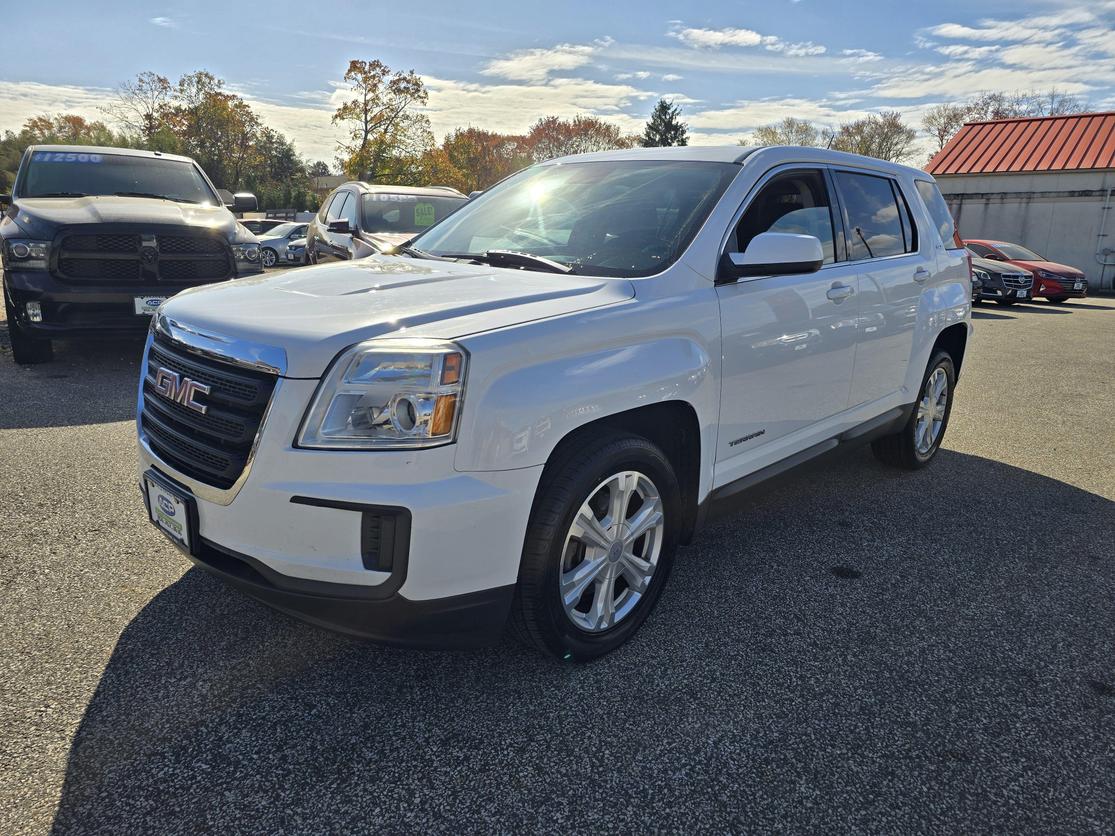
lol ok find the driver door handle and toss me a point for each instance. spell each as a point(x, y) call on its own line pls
point(921, 274)
point(839, 292)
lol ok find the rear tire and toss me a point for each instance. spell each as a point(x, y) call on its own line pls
point(915, 445)
point(26, 350)
point(588, 578)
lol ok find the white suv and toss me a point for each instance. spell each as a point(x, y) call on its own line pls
point(518, 417)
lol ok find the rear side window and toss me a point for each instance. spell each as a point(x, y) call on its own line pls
point(878, 220)
point(939, 212)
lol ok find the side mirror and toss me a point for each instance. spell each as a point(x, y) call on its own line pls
point(774, 254)
point(244, 202)
point(340, 227)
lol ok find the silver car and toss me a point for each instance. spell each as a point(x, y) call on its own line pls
point(273, 243)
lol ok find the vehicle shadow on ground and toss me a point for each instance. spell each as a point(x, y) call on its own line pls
point(1034, 308)
point(862, 648)
point(978, 314)
point(88, 382)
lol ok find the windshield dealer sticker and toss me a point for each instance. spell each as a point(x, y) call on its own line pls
point(423, 214)
point(66, 157)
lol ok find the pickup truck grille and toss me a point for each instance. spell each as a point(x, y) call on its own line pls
point(214, 447)
point(142, 258)
point(1017, 280)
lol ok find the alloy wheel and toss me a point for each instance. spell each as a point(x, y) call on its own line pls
point(611, 551)
point(931, 411)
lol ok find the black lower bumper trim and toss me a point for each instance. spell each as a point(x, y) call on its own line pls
point(471, 620)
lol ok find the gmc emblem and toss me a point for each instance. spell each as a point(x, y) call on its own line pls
point(179, 389)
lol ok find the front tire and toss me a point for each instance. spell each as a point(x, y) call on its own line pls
point(269, 257)
point(1006, 302)
point(915, 445)
point(599, 547)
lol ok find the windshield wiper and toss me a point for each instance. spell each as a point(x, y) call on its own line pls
point(156, 196)
point(414, 252)
point(510, 258)
point(60, 194)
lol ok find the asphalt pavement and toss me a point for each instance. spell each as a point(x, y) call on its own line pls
point(857, 650)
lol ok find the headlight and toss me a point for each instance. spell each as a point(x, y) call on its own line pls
point(24, 254)
point(1045, 274)
point(388, 394)
point(246, 252)
point(981, 275)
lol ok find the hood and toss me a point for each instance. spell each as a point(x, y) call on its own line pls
point(40, 215)
point(989, 265)
point(315, 312)
point(1050, 266)
point(387, 240)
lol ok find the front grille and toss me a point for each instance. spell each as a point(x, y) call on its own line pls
point(214, 447)
point(1017, 281)
point(118, 257)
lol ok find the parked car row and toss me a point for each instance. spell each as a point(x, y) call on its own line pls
point(1007, 273)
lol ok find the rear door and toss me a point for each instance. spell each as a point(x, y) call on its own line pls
point(882, 241)
point(788, 341)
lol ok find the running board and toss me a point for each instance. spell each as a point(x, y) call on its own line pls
point(885, 424)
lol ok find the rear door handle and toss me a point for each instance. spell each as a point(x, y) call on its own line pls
point(840, 292)
point(921, 274)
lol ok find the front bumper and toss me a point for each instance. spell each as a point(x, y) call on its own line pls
point(468, 620)
point(299, 519)
point(1018, 295)
point(1054, 289)
point(72, 310)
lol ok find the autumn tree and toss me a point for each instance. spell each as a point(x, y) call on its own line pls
point(319, 168)
point(665, 128)
point(882, 135)
point(386, 133)
point(141, 105)
point(482, 158)
point(68, 129)
point(790, 131)
point(551, 137)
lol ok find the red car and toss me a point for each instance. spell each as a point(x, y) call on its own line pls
point(1056, 282)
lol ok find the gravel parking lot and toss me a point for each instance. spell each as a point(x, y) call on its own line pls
point(857, 650)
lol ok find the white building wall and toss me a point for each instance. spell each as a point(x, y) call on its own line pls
point(1068, 217)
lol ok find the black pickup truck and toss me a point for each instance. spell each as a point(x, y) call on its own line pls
point(95, 239)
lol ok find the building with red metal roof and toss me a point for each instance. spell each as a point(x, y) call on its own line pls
point(1045, 182)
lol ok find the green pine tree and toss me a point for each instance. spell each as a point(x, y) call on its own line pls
point(665, 126)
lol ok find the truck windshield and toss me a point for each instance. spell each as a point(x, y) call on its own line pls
point(74, 174)
point(405, 213)
point(622, 218)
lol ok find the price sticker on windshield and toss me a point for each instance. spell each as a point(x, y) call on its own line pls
point(423, 214)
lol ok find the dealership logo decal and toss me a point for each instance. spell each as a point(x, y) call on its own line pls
point(166, 505)
point(180, 389)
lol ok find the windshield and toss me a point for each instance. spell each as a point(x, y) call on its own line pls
point(405, 213)
point(71, 174)
point(281, 230)
point(609, 218)
point(1017, 253)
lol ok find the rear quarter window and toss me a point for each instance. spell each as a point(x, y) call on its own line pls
point(939, 212)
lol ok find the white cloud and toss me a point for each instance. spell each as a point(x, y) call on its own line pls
point(730, 36)
point(671, 77)
point(861, 55)
point(538, 64)
point(641, 74)
point(165, 22)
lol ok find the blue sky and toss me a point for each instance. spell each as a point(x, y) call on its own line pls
point(733, 66)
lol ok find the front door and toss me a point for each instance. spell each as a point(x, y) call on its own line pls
point(788, 342)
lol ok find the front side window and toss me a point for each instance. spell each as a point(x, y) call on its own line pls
point(335, 206)
point(874, 213)
point(405, 213)
point(624, 218)
point(78, 174)
point(796, 202)
point(348, 210)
